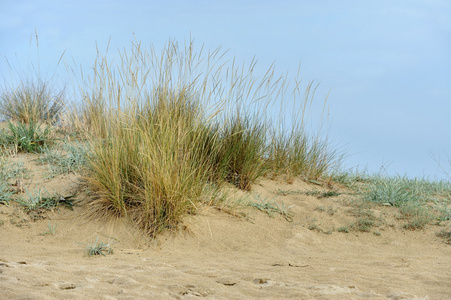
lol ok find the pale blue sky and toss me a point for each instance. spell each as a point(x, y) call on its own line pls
point(387, 63)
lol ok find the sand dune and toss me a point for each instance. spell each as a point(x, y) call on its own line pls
point(220, 256)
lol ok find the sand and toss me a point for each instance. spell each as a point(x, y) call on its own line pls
point(220, 256)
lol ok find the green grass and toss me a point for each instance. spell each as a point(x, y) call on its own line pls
point(99, 248)
point(22, 137)
point(10, 173)
point(417, 215)
point(365, 219)
point(12, 170)
point(329, 210)
point(37, 202)
point(444, 212)
point(65, 159)
point(5, 193)
point(51, 229)
point(418, 201)
point(314, 192)
point(271, 207)
point(343, 229)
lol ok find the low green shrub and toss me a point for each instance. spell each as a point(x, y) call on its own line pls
point(31, 137)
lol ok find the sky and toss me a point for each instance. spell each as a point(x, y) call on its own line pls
point(387, 64)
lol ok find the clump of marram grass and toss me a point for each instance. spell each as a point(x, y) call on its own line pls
point(293, 152)
point(241, 151)
point(33, 101)
point(151, 169)
point(166, 131)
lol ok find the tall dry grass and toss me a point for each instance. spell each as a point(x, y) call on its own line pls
point(33, 101)
point(168, 129)
point(29, 98)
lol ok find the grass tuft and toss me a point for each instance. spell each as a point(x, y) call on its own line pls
point(99, 248)
point(70, 158)
point(33, 101)
point(243, 144)
point(37, 202)
point(10, 174)
point(419, 201)
point(168, 128)
point(5, 193)
point(271, 207)
point(445, 235)
point(31, 137)
point(51, 229)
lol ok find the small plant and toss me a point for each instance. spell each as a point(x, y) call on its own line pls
point(5, 192)
point(271, 207)
point(313, 225)
point(38, 203)
point(365, 218)
point(417, 216)
point(343, 229)
point(363, 224)
point(51, 229)
point(352, 178)
point(99, 248)
point(444, 212)
point(29, 137)
point(73, 159)
point(329, 194)
point(12, 170)
point(289, 192)
point(330, 210)
point(312, 192)
point(391, 191)
point(446, 235)
point(11, 176)
point(320, 208)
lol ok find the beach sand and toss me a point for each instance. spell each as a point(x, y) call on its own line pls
point(219, 255)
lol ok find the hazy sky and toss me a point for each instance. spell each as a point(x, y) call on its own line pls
point(387, 62)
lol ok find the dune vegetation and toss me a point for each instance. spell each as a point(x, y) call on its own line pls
point(158, 134)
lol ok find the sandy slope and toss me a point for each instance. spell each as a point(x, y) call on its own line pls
point(219, 256)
